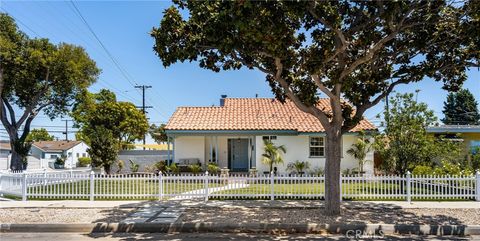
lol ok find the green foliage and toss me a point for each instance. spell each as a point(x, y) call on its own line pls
point(174, 168)
point(84, 161)
point(272, 154)
point(123, 119)
point(475, 160)
point(461, 108)
point(103, 147)
point(360, 149)
point(37, 76)
point(195, 168)
point(422, 170)
point(161, 166)
point(158, 133)
point(120, 166)
point(133, 166)
point(298, 166)
point(213, 168)
point(39, 135)
point(405, 143)
point(60, 160)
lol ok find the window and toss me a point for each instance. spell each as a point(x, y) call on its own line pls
point(269, 138)
point(84, 155)
point(474, 146)
point(53, 156)
point(317, 147)
point(78, 154)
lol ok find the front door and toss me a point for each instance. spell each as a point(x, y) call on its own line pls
point(238, 154)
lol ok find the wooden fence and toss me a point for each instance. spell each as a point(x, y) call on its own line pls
point(71, 185)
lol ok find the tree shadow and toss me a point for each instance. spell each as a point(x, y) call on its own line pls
point(298, 216)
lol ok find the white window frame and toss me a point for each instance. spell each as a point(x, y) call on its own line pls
point(315, 146)
point(270, 138)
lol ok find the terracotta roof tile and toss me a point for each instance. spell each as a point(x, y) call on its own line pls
point(251, 114)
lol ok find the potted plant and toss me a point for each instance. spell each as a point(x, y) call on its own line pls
point(59, 163)
point(272, 154)
point(213, 168)
point(359, 151)
point(299, 167)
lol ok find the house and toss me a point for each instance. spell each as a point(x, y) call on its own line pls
point(232, 134)
point(469, 135)
point(50, 150)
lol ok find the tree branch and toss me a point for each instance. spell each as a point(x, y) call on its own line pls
point(10, 111)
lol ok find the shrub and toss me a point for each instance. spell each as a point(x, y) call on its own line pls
point(195, 168)
point(213, 168)
point(161, 166)
point(317, 171)
point(133, 166)
point(60, 161)
point(298, 166)
point(149, 168)
point(422, 170)
point(174, 168)
point(120, 165)
point(84, 161)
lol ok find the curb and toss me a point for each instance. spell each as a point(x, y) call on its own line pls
point(457, 230)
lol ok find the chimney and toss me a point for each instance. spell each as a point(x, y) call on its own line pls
point(222, 100)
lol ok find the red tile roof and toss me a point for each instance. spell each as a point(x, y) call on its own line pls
point(252, 114)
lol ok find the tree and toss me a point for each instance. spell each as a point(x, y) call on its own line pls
point(406, 144)
point(359, 150)
point(461, 108)
point(37, 76)
point(123, 119)
point(272, 154)
point(354, 52)
point(103, 148)
point(158, 133)
point(39, 135)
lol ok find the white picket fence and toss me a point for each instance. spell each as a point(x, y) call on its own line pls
point(71, 185)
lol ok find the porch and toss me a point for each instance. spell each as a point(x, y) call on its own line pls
point(235, 152)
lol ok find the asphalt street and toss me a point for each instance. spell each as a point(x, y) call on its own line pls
point(202, 236)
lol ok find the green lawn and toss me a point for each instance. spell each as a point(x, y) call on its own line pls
point(112, 189)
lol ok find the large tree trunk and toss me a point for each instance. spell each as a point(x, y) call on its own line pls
point(16, 161)
point(332, 171)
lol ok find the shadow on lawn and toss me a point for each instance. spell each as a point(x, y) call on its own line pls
point(354, 216)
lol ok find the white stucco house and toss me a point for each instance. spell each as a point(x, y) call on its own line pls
point(50, 150)
point(232, 135)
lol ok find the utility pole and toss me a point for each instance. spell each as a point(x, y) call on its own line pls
point(144, 107)
point(66, 129)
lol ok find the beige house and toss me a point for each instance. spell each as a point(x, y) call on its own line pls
point(232, 135)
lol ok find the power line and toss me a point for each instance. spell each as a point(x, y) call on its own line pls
point(144, 107)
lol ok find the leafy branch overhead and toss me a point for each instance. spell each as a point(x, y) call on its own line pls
point(358, 51)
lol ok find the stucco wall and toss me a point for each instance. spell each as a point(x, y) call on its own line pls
point(297, 149)
point(190, 147)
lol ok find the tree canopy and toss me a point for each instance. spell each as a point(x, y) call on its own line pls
point(37, 76)
point(39, 135)
point(123, 119)
point(158, 133)
point(353, 52)
point(461, 108)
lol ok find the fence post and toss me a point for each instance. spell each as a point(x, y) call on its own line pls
point(409, 191)
point(340, 187)
point(92, 186)
point(24, 187)
point(160, 185)
point(477, 186)
point(44, 176)
point(206, 185)
point(272, 187)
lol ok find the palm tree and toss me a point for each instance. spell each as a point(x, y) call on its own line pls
point(359, 151)
point(273, 154)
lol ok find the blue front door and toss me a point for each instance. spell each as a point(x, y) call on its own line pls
point(238, 155)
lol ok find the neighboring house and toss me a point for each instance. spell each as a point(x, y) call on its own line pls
point(232, 134)
point(5, 150)
point(72, 150)
point(467, 134)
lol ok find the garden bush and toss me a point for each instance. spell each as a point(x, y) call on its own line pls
point(84, 161)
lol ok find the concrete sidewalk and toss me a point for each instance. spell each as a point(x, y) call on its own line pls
point(234, 204)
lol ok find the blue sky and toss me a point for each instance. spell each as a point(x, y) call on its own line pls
point(124, 28)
